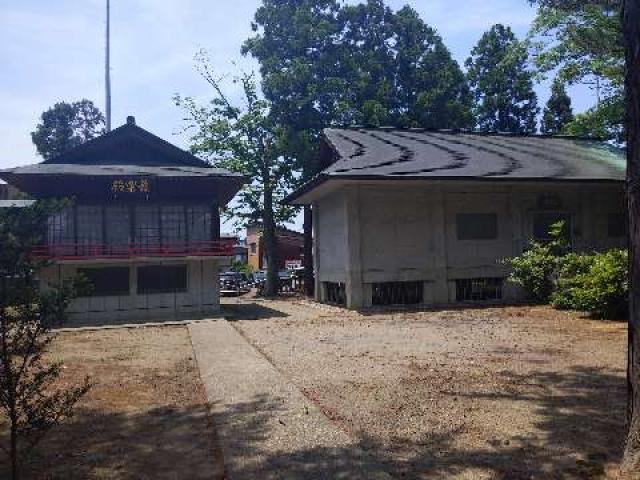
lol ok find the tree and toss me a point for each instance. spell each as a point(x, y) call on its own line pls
point(244, 139)
point(29, 398)
point(631, 23)
point(502, 83)
point(65, 126)
point(400, 73)
point(557, 114)
point(300, 66)
point(324, 64)
point(582, 41)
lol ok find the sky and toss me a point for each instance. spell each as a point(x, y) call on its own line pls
point(54, 51)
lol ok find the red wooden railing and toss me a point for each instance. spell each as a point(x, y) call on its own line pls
point(90, 251)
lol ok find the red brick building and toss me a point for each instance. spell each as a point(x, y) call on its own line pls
point(290, 248)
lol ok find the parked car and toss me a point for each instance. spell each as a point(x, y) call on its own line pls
point(233, 283)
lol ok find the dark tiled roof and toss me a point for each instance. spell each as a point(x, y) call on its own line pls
point(128, 144)
point(127, 152)
point(119, 170)
point(433, 154)
point(388, 153)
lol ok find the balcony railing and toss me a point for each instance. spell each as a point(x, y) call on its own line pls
point(92, 251)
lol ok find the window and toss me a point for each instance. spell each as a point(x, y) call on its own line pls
point(199, 222)
point(477, 226)
point(478, 289)
point(335, 292)
point(397, 293)
point(60, 227)
point(617, 225)
point(89, 224)
point(162, 279)
point(148, 225)
point(107, 281)
point(118, 225)
point(173, 224)
point(542, 222)
point(254, 248)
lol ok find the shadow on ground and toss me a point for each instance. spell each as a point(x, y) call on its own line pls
point(581, 429)
point(159, 444)
point(250, 311)
point(168, 319)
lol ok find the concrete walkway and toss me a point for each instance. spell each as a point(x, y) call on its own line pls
point(267, 428)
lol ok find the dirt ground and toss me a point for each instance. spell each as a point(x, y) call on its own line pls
point(504, 393)
point(144, 418)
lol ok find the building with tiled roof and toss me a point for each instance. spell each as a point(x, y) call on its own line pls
point(144, 225)
point(424, 217)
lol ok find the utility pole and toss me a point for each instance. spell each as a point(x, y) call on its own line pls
point(107, 73)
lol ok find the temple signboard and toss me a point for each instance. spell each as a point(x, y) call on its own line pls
point(130, 186)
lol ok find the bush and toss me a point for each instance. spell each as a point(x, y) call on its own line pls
point(598, 284)
point(535, 269)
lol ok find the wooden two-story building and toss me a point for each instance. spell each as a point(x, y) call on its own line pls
point(143, 225)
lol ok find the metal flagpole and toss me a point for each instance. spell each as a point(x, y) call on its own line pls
point(107, 76)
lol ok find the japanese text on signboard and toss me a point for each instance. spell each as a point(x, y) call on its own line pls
point(130, 186)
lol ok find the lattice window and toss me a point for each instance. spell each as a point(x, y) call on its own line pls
point(335, 292)
point(173, 224)
point(89, 224)
point(397, 293)
point(479, 289)
point(118, 225)
point(199, 221)
point(60, 228)
point(147, 226)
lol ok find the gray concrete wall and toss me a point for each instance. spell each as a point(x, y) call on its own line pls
point(201, 298)
point(330, 241)
point(385, 233)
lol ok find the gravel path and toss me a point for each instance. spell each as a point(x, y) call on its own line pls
point(514, 392)
point(267, 428)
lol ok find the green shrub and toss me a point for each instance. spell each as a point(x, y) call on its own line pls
point(535, 269)
point(569, 279)
point(598, 284)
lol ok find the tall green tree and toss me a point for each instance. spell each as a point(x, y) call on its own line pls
point(31, 401)
point(294, 41)
point(583, 42)
point(324, 63)
point(65, 126)
point(400, 71)
point(502, 84)
point(243, 138)
point(557, 113)
point(631, 29)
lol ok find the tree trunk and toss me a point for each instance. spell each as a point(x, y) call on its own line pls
point(631, 26)
point(270, 245)
point(309, 284)
point(15, 472)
